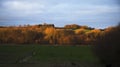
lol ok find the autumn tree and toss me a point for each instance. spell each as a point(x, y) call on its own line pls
point(93, 35)
point(66, 37)
point(50, 35)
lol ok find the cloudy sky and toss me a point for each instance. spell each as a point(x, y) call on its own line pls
point(94, 13)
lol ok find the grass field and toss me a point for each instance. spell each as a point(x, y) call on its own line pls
point(46, 55)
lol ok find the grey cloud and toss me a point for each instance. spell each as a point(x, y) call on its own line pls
point(58, 11)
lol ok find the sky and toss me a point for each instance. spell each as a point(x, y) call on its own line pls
point(93, 13)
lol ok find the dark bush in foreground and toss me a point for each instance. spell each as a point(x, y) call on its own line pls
point(108, 47)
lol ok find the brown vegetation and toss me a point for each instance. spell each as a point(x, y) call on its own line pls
point(48, 34)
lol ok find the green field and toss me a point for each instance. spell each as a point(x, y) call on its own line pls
point(46, 55)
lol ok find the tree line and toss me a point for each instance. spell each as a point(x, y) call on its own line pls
point(48, 34)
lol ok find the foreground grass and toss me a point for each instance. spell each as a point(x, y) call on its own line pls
point(64, 53)
point(37, 54)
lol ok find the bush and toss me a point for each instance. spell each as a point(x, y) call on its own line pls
point(108, 47)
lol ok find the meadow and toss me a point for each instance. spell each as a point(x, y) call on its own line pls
point(47, 56)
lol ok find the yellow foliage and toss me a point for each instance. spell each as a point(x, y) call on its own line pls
point(80, 31)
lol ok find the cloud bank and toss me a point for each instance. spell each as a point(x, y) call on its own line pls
point(83, 12)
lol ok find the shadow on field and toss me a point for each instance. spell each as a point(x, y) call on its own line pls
point(107, 47)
